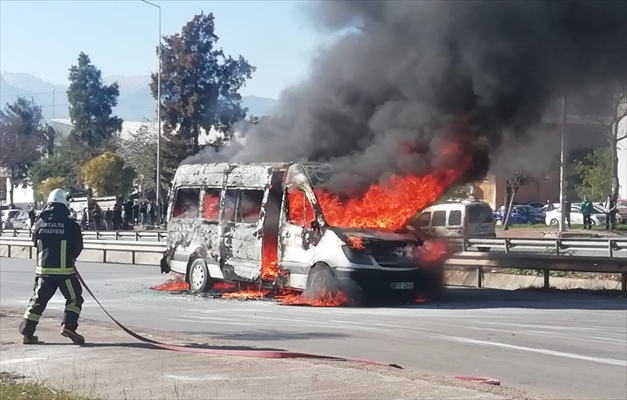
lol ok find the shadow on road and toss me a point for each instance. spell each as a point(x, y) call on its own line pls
point(463, 298)
point(151, 346)
point(272, 335)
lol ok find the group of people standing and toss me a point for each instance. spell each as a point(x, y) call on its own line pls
point(121, 217)
point(587, 210)
point(609, 207)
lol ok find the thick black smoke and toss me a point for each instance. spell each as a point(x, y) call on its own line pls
point(403, 69)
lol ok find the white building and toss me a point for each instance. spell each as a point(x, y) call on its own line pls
point(22, 197)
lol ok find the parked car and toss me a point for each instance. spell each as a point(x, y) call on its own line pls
point(7, 215)
point(19, 220)
point(521, 214)
point(621, 206)
point(536, 204)
point(456, 219)
point(601, 210)
point(576, 217)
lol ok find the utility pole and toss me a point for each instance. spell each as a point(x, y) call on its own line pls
point(562, 166)
point(158, 187)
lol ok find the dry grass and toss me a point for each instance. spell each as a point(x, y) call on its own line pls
point(12, 387)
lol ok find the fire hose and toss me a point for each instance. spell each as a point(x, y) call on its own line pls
point(256, 353)
point(223, 352)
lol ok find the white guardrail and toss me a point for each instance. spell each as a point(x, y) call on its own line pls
point(609, 247)
point(131, 252)
point(101, 235)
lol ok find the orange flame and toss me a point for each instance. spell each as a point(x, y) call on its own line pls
point(172, 285)
point(323, 299)
point(355, 242)
point(432, 251)
point(270, 257)
point(249, 293)
point(386, 206)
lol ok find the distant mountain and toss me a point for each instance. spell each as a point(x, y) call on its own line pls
point(134, 104)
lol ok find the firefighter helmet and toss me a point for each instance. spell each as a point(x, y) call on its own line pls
point(58, 196)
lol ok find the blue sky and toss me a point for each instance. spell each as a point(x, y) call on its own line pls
point(44, 37)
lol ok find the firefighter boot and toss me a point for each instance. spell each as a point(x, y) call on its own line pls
point(72, 335)
point(30, 339)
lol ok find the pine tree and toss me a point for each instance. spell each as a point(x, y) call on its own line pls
point(91, 106)
point(199, 90)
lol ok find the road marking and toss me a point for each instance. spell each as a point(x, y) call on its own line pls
point(558, 328)
point(544, 334)
point(608, 361)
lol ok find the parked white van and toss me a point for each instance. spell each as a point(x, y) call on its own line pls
point(464, 218)
point(224, 217)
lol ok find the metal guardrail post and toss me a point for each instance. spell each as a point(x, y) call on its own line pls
point(479, 277)
point(465, 244)
point(610, 245)
point(136, 236)
point(117, 235)
point(558, 245)
point(133, 257)
point(623, 282)
point(507, 245)
point(547, 274)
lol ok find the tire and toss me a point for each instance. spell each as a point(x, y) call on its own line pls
point(499, 222)
point(554, 222)
point(320, 278)
point(198, 277)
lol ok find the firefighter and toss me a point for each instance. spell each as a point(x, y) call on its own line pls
point(59, 242)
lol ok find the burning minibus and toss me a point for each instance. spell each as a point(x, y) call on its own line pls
point(275, 224)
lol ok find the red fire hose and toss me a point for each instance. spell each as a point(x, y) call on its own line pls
point(257, 353)
point(223, 352)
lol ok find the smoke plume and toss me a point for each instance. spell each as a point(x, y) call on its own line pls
point(402, 71)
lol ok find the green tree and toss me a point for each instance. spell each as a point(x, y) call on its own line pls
point(108, 175)
point(199, 90)
point(66, 162)
point(23, 140)
point(91, 106)
point(140, 153)
point(595, 173)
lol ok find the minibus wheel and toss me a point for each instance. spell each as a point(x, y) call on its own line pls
point(198, 277)
point(321, 278)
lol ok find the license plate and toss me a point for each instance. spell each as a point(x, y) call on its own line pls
point(402, 285)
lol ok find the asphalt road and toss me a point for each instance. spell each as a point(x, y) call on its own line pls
point(568, 345)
